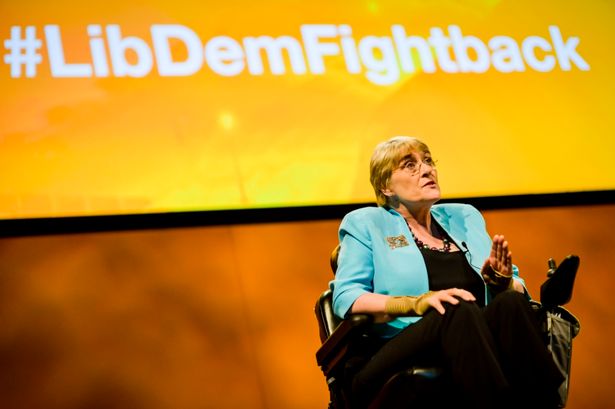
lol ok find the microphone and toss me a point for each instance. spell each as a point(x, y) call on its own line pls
point(466, 252)
point(465, 247)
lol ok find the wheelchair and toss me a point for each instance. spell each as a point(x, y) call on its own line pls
point(427, 385)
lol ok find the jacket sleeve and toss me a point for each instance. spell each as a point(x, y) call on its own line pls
point(481, 229)
point(355, 268)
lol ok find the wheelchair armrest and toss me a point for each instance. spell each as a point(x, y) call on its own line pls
point(333, 350)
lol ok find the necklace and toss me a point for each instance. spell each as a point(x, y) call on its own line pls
point(445, 249)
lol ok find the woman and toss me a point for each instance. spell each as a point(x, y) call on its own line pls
point(438, 286)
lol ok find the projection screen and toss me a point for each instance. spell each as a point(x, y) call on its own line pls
point(123, 107)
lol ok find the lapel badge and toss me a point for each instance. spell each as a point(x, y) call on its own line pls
point(397, 241)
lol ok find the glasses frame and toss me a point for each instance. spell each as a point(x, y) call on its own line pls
point(417, 164)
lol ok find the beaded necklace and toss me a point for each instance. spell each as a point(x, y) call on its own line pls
point(445, 249)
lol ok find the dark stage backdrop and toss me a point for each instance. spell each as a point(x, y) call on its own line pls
point(222, 317)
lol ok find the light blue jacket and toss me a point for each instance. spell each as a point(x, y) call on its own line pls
point(378, 255)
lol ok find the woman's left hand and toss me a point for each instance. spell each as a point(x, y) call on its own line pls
point(497, 270)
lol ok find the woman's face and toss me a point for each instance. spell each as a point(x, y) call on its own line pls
point(415, 180)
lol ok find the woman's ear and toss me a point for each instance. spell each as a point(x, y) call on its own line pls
point(391, 198)
point(387, 192)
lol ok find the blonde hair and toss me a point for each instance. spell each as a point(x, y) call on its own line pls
point(385, 160)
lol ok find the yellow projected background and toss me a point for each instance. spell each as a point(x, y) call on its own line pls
point(98, 127)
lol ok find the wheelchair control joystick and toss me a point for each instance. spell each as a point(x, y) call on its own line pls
point(552, 267)
point(557, 289)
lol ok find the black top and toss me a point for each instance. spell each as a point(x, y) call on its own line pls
point(452, 270)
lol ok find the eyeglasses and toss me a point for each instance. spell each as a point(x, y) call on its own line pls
point(413, 166)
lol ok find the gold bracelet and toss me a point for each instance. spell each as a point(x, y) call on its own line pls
point(498, 274)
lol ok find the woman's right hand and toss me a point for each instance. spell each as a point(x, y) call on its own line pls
point(435, 299)
point(379, 305)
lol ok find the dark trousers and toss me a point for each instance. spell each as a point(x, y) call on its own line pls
point(495, 355)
